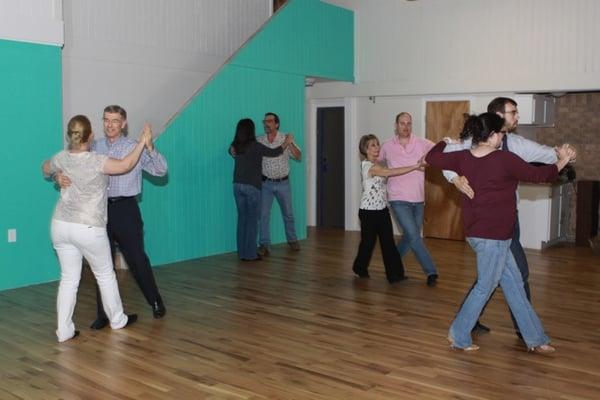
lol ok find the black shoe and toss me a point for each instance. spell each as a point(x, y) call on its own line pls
point(480, 328)
point(99, 323)
point(75, 335)
point(131, 319)
point(361, 273)
point(158, 309)
point(432, 280)
point(398, 279)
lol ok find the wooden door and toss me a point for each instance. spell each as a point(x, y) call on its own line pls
point(443, 214)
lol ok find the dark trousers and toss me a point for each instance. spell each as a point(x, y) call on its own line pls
point(374, 224)
point(125, 228)
point(519, 254)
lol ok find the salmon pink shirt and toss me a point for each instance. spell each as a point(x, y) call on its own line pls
point(408, 187)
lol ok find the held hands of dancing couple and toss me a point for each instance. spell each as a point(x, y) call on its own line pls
point(112, 166)
point(379, 170)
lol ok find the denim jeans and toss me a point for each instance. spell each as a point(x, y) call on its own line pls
point(496, 264)
point(247, 200)
point(410, 217)
point(283, 193)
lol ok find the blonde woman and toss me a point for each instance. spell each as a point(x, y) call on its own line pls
point(375, 220)
point(78, 227)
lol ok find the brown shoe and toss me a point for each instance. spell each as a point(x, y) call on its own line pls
point(294, 246)
point(263, 251)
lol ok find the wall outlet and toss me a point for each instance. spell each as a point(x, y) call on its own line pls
point(12, 235)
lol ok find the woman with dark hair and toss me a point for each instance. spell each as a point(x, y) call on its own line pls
point(78, 227)
point(374, 215)
point(247, 182)
point(489, 222)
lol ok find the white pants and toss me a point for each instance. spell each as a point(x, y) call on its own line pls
point(72, 242)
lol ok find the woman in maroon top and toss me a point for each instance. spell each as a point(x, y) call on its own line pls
point(489, 220)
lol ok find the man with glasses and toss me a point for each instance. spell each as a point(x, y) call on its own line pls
point(125, 226)
point(276, 183)
point(529, 151)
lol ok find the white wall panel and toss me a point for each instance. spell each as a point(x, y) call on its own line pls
point(150, 56)
point(470, 46)
point(36, 21)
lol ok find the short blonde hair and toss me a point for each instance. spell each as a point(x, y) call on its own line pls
point(363, 144)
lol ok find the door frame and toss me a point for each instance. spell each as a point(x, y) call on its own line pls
point(351, 166)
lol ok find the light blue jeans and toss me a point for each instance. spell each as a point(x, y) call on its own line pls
point(247, 200)
point(496, 264)
point(283, 193)
point(410, 217)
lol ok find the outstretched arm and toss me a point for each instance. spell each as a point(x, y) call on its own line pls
point(379, 170)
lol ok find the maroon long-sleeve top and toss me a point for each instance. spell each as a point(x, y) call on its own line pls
point(494, 178)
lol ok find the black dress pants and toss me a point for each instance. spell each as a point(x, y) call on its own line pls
point(125, 228)
point(374, 224)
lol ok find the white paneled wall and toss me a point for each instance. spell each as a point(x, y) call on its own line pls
point(36, 21)
point(150, 56)
point(470, 46)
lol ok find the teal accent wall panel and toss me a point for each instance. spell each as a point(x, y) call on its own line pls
point(308, 37)
point(31, 120)
point(192, 214)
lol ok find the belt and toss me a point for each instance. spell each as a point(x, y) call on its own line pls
point(285, 178)
point(113, 200)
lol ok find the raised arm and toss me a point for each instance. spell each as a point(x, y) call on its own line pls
point(113, 166)
point(548, 173)
point(531, 151)
point(439, 159)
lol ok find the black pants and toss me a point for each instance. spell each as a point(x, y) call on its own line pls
point(126, 229)
point(519, 254)
point(373, 224)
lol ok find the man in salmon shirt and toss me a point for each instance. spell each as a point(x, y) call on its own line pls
point(406, 193)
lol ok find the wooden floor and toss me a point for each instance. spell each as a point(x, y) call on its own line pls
point(300, 326)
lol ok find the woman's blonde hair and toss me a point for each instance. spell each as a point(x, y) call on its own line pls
point(364, 144)
point(79, 130)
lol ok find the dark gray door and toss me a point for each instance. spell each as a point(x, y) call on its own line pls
point(330, 167)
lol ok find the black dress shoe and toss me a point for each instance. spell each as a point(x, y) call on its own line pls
point(480, 328)
point(361, 273)
point(398, 279)
point(432, 280)
point(75, 335)
point(158, 309)
point(131, 319)
point(99, 323)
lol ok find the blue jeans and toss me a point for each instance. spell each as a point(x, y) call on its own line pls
point(496, 264)
point(283, 193)
point(247, 200)
point(410, 217)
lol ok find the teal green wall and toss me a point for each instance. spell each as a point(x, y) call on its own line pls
point(30, 121)
point(192, 214)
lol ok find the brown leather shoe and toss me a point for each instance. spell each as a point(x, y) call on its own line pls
point(294, 246)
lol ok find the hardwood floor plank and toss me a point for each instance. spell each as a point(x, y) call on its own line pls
point(301, 326)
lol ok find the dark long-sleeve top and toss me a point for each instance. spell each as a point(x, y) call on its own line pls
point(491, 214)
point(248, 165)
